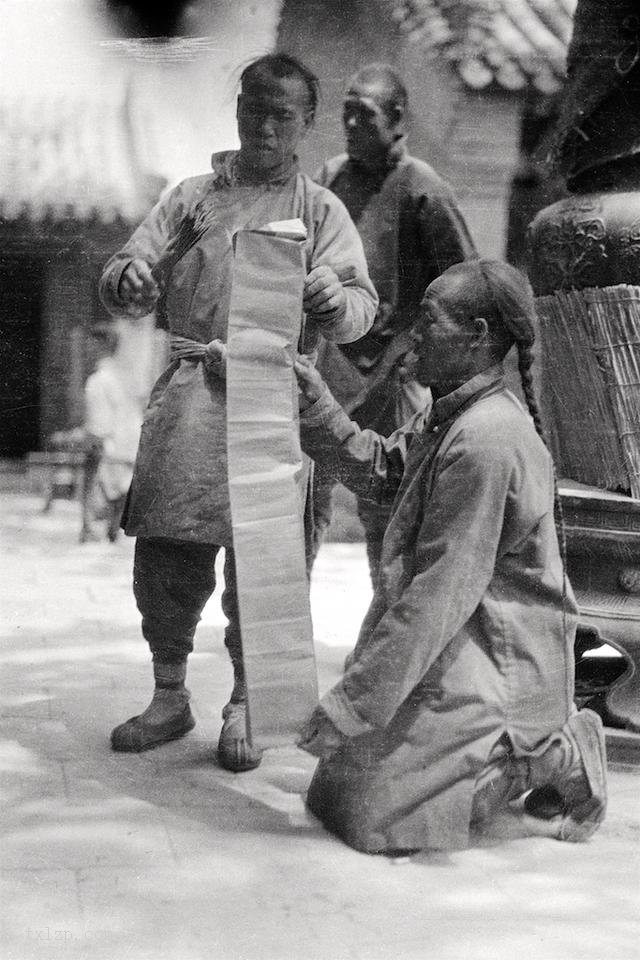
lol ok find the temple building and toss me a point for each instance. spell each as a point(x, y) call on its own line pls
point(73, 189)
point(482, 75)
point(97, 119)
point(94, 124)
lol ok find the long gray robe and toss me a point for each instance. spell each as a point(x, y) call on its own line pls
point(180, 483)
point(465, 639)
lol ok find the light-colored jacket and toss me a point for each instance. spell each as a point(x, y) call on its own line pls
point(180, 484)
point(468, 636)
point(113, 415)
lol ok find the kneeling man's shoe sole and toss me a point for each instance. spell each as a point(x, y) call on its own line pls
point(578, 799)
point(585, 814)
point(135, 735)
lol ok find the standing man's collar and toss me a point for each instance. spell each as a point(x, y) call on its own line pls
point(447, 406)
point(228, 171)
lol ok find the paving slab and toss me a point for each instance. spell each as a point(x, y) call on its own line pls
point(164, 856)
point(41, 913)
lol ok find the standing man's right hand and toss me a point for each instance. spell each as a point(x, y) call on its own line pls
point(138, 291)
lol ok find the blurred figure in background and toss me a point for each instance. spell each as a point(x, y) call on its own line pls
point(412, 231)
point(113, 418)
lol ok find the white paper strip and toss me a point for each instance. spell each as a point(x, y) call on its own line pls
point(265, 469)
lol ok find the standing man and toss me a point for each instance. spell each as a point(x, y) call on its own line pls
point(178, 506)
point(412, 231)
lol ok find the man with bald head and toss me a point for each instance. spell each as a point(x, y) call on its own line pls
point(412, 231)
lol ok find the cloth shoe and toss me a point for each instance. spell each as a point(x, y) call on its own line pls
point(569, 779)
point(167, 717)
point(235, 751)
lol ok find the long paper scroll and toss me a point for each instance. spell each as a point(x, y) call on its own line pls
point(266, 495)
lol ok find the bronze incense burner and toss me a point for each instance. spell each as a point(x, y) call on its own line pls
point(585, 271)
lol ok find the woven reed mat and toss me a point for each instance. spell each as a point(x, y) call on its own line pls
point(590, 384)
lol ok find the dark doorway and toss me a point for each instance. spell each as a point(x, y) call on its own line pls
point(20, 343)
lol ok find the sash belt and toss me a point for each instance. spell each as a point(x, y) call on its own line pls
point(212, 354)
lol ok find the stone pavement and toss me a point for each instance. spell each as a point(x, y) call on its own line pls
point(163, 856)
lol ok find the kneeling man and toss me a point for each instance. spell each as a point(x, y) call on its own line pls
point(455, 713)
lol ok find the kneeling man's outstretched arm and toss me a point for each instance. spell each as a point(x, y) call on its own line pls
point(368, 464)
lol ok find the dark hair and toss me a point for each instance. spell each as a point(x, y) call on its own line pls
point(503, 296)
point(106, 335)
point(277, 66)
point(396, 97)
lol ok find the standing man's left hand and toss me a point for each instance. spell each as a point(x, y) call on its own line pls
point(323, 294)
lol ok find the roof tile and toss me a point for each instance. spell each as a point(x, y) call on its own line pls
point(512, 44)
point(67, 159)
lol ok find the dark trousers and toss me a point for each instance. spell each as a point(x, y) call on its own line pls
point(172, 582)
point(373, 517)
point(387, 406)
point(174, 579)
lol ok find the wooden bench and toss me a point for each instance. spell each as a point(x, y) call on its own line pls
point(57, 475)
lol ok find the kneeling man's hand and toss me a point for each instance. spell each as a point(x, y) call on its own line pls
point(319, 736)
point(311, 386)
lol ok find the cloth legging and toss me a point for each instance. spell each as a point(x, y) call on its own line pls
point(172, 581)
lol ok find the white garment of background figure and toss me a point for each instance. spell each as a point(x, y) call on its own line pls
point(113, 418)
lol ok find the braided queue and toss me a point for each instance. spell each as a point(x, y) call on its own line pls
point(525, 362)
point(502, 295)
point(515, 316)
